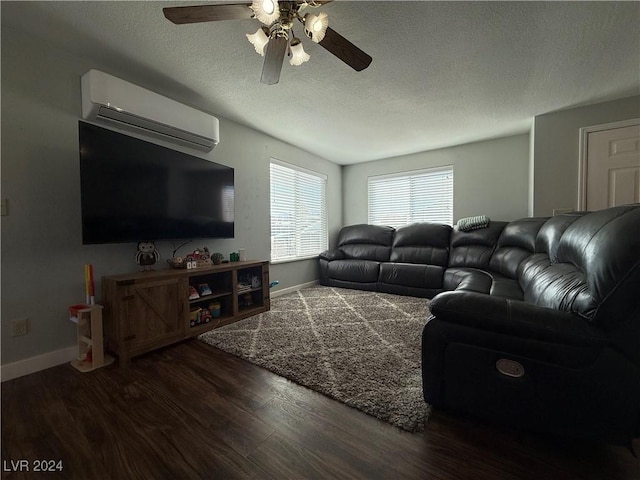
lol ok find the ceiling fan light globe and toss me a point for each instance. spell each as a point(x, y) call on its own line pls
point(315, 26)
point(259, 40)
point(268, 6)
point(298, 55)
point(266, 11)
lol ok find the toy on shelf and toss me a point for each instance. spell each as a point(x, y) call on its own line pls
point(147, 255)
point(248, 282)
point(177, 262)
point(200, 256)
point(199, 316)
point(205, 316)
point(204, 289)
point(194, 316)
point(246, 300)
point(214, 308)
point(89, 285)
point(193, 293)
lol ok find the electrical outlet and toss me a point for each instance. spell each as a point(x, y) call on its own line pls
point(19, 327)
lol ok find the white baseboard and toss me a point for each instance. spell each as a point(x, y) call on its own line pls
point(295, 288)
point(35, 364)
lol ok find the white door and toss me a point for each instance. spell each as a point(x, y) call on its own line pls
point(613, 167)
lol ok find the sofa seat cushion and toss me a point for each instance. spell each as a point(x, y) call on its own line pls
point(412, 275)
point(506, 287)
point(481, 281)
point(353, 270)
point(468, 279)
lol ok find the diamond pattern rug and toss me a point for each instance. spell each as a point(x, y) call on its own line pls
point(361, 348)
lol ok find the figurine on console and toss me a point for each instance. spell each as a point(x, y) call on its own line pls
point(147, 255)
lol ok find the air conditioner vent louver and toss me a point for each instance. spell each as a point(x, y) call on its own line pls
point(108, 99)
point(183, 137)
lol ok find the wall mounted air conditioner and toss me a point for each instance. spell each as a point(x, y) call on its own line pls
point(108, 99)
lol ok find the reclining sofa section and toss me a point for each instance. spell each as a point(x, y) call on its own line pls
point(534, 323)
point(424, 259)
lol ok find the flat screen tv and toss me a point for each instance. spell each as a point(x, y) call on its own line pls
point(135, 191)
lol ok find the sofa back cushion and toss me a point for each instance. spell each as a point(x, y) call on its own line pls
point(550, 233)
point(605, 246)
point(474, 248)
point(547, 242)
point(423, 243)
point(366, 242)
point(517, 242)
point(596, 268)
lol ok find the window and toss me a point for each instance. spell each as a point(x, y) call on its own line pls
point(298, 212)
point(409, 197)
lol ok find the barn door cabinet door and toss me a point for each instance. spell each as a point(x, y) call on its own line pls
point(144, 313)
point(156, 310)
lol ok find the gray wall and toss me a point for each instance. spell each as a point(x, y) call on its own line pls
point(42, 252)
point(42, 255)
point(490, 178)
point(556, 150)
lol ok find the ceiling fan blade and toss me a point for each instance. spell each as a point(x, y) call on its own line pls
point(207, 13)
point(273, 60)
point(345, 50)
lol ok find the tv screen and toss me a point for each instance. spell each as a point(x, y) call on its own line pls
point(135, 191)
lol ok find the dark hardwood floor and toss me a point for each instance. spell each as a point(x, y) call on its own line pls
point(192, 411)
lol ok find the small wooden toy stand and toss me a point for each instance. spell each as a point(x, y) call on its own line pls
point(90, 338)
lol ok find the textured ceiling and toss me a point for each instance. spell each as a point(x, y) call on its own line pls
point(443, 73)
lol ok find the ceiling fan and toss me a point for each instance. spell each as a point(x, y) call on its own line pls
point(276, 37)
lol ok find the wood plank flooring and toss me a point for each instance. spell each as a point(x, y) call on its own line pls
point(192, 411)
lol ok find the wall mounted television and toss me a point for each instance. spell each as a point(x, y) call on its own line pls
point(133, 190)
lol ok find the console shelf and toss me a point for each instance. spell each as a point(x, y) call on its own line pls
point(213, 296)
point(145, 311)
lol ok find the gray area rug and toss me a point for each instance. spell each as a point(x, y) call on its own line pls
point(361, 348)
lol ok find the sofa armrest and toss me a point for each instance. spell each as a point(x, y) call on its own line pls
point(514, 318)
point(331, 255)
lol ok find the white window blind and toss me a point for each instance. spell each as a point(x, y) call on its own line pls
point(298, 212)
point(410, 197)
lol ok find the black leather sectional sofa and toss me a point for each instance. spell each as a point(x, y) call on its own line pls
point(534, 323)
